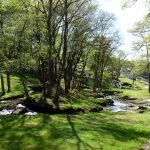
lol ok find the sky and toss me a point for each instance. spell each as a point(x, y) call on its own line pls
point(125, 20)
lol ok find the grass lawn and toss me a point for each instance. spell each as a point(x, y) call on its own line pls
point(140, 93)
point(93, 131)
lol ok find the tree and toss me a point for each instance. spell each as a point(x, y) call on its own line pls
point(53, 40)
point(117, 62)
point(105, 42)
point(141, 32)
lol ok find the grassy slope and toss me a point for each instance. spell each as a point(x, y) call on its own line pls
point(93, 131)
point(140, 93)
point(16, 85)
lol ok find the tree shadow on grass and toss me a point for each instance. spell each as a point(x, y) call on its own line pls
point(76, 135)
point(120, 130)
point(15, 133)
point(124, 133)
point(32, 133)
point(55, 132)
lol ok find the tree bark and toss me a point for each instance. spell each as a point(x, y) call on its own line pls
point(2, 85)
point(101, 79)
point(8, 82)
point(148, 69)
point(43, 77)
point(65, 46)
point(25, 89)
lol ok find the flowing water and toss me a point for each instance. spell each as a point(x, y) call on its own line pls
point(6, 112)
point(119, 106)
point(11, 110)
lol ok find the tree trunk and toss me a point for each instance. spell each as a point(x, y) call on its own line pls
point(67, 85)
point(148, 69)
point(51, 75)
point(2, 85)
point(95, 81)
point(56, 97)
point(43, 77)
point(96, 72)
point(148, 77)
point(65, 44)
point(25, 89)
point(22, 81)
point(8, 82)
point(101, 79)
point(149, 83)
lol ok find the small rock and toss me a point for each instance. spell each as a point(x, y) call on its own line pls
point(30, 92)
point(141, 111)
point(131, 106)
point(99, 96)
point(20, 106)
point(128, 98)
point(96, 109)
point(6, 112)
point(2, 102)
point(31, 113)
point(126, 84)
point(19, 111)
point(142, 107)
point(109, 102)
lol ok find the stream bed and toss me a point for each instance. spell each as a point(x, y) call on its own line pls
point(127, 105)
point(16, 110)
point(121, 106)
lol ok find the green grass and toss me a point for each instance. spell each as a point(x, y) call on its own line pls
point(139, 91)
point(93, 131)
point(85, 103)
point(16, 85)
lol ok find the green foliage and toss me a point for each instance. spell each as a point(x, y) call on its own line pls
point(106, 83)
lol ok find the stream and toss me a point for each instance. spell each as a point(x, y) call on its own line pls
point(121, 106)
point(118, 106)
point(127, 105)
point(16, 110)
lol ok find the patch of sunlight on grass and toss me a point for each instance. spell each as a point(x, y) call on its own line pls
point(107, 131)
point(139, 90)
